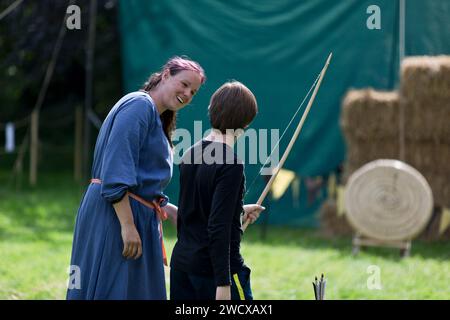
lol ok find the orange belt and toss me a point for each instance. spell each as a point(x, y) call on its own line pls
point(155, 205)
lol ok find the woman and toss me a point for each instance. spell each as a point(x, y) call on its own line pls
point(117, 247)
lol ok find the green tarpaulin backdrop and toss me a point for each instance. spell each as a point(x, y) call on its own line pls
point(277, 49)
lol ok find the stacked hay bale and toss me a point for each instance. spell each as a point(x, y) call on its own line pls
point(425, 97)
point(431, 232)
point(370, 123)
point(370, 126)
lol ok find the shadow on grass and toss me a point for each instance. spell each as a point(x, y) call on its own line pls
point(313, 239)
point(38, 213)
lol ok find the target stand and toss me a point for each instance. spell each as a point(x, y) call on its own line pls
point(361, 241)
point(388, 203)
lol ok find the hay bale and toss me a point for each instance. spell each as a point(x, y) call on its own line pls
point(425, 76)
point(427, 121)
point(440, 185)
point(425, 156)
point(429, 156)
point(332, 225)
point(360, 151)
point(431, 232)
point(369, 113)
point(425, 97)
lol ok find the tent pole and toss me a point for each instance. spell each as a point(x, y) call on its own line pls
point(401, 55)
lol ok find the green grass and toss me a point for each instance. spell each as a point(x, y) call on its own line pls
point(36, 228)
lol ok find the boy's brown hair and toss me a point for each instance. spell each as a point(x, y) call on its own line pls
point(232, 106)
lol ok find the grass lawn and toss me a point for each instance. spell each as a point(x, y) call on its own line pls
point(36, 228)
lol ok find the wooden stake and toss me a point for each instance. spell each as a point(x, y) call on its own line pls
point(34, 146)
point(78, 150)
point(89, 83)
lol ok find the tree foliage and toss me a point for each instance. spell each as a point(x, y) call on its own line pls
point(28, 36)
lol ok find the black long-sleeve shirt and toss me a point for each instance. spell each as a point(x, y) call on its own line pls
point(209, 212)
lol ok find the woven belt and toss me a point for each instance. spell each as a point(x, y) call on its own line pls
point(155, 205)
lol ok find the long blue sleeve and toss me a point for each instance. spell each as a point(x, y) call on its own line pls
point(129, 129)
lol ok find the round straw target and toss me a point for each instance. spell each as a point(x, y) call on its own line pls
point(388, 200)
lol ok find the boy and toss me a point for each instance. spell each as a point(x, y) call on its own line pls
point(206, 261)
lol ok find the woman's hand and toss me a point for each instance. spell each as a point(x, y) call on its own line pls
point(132, 245)
point(252, 212)
point(223, 293)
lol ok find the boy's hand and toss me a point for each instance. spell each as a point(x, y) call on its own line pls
point(172, 212)
point(252, 212)
point(223, 293)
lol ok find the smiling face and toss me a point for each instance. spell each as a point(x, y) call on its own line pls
point(179, 89)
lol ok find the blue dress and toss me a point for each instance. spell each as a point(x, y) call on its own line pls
point(131, 154)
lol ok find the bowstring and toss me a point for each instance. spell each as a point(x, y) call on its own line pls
point(282, 135)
